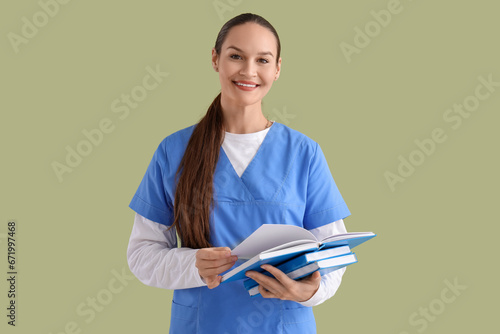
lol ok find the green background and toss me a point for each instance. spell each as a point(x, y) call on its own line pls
point(439, 224)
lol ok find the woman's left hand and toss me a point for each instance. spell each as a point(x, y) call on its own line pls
point(283, 287)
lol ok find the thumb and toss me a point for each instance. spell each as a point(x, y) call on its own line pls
point(312, 278)
point(316, 276)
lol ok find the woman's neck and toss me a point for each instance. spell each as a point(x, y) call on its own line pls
point(244, 119)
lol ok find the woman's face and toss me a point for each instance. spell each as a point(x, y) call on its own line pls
point(248, 56)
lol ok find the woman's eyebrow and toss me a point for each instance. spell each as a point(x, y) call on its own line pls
point(260, 53)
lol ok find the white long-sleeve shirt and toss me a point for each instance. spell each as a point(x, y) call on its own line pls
point(154, 258)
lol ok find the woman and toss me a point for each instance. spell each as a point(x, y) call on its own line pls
point(216, 182)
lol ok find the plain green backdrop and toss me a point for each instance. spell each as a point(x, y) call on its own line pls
point(365, 85)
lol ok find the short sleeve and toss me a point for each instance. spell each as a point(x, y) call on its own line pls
point(324, 203)
point(150, 199)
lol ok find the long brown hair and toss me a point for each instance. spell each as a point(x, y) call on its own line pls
point(194, 190)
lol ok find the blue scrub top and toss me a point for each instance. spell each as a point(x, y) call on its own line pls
point(287, 182)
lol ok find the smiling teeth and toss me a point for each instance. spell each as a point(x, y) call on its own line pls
point(245, 85)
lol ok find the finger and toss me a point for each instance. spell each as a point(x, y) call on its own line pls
point(266, 293)
point(267, 282)
point(215, 271)
point(214, 253)
point(314, 277)
point(213, 282)
point(259, 277)
point(213, 264)
point(202, 264)
point(278, 274)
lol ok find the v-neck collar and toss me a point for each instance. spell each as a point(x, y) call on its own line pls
point(255, 157)
point(247, 173)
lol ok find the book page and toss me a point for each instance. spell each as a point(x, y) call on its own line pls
point(268, 236)
point(346, 236)
point(291, 244)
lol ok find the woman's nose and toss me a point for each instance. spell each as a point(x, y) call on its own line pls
point(248, 69)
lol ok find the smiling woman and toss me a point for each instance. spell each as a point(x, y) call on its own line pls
point(216, 182)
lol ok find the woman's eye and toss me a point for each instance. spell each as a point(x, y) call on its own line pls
point(235, 56)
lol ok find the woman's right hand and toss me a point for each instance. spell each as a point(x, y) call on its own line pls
point(213, 261)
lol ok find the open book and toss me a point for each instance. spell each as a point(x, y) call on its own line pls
point(277, 243)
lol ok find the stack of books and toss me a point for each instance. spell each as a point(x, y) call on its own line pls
point(294, 250)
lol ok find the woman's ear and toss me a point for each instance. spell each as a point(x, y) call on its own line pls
point(278, 70)
point(215, 60)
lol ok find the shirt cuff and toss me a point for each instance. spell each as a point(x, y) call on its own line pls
point(190, 257)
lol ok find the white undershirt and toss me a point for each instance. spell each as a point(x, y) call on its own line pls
point(153, 256)
point(240, 148)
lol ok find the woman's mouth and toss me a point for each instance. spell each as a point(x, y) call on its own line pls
point(245, 85)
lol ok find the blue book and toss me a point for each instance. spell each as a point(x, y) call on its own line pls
point(277, 243)
point(303, 260)
point(270, 257)
point(324, 266)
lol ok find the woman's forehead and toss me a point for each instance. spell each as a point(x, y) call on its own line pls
point(250, 38)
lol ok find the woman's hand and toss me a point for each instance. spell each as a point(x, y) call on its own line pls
point(283, 287)
point(213, 261)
